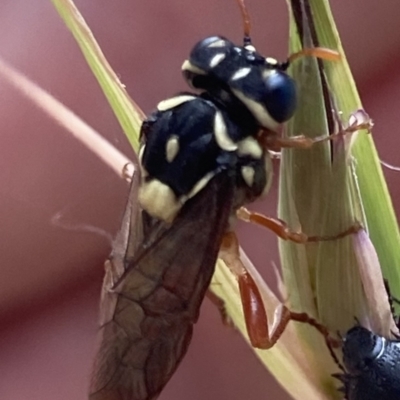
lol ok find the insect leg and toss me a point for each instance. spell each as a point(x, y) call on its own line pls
point(359, 120)
point(253, 307)
point(275, 225)
point(281, 229)
point(393, 300)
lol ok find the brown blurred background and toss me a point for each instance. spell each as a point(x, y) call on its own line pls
point(50, 277)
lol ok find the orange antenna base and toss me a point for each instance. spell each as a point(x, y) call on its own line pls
point(246, 22)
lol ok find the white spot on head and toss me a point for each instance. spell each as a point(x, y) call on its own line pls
point(250, 147)
point(159, 200)
point(240, 73)
point(188, 66)
point(221, 134)
point(248, 175)
point(218, 43)
point(258, 110)
point(173, 102)
point(217, 59)
point(172, 148)
point(270, 60)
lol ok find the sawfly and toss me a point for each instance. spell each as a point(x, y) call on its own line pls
point(202, 158)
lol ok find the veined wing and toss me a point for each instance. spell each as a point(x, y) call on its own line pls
point(156, 301)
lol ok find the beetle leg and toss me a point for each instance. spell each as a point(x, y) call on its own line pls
point(393, 300)
point(281, 229)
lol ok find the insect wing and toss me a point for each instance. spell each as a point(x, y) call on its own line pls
point(157, 299)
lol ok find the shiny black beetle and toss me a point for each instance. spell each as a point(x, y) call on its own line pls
point(371, 362)
point(372, 366)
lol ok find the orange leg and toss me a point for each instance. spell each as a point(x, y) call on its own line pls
point(281, 229)
point(253, 307)
point(357, 121)
point(275, 225)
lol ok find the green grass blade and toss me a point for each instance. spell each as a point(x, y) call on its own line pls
point(324, 192)
point(126, 111)
point(381, 219)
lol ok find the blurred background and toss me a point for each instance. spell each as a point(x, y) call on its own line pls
point(51, 272)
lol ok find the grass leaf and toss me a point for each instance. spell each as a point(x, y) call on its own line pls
point(125, 109)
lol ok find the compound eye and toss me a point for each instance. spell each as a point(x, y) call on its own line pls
point(280, 97)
